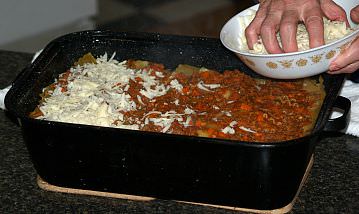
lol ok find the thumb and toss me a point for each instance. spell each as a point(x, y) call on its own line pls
point(354, 14)
point(349, 56)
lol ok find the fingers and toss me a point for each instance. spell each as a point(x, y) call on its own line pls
point(284, 16)
point(253, 30)
point(333, 11)
point(354, 14)
point(288, 31)
point(266, 24)
point(271, 25)
point(269, 33)
point(348, 61)
point(313, 21)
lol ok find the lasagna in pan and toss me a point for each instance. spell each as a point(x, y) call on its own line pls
point(145, 96)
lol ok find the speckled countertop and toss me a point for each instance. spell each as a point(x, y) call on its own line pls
point(332, 186)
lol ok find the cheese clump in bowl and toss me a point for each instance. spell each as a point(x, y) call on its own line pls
point(333, 31)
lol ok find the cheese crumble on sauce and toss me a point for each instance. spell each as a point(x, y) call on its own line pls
point(98, 94)
point(142, 95)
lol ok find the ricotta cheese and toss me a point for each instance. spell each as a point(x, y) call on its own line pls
point(333, 31)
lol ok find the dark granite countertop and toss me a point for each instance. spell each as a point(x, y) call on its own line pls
point(332, 186)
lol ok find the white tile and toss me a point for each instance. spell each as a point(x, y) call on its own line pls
point(180, 9)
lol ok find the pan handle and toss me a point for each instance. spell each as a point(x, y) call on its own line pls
point(340, 123)
point(23, 74)
point(20, 75)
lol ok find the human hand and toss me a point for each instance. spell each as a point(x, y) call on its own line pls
point(284, 15)
point(348, 61)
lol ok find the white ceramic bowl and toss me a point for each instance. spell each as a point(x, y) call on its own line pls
point(288, 65)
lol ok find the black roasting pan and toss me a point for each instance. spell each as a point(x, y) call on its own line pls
point(196, 169)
